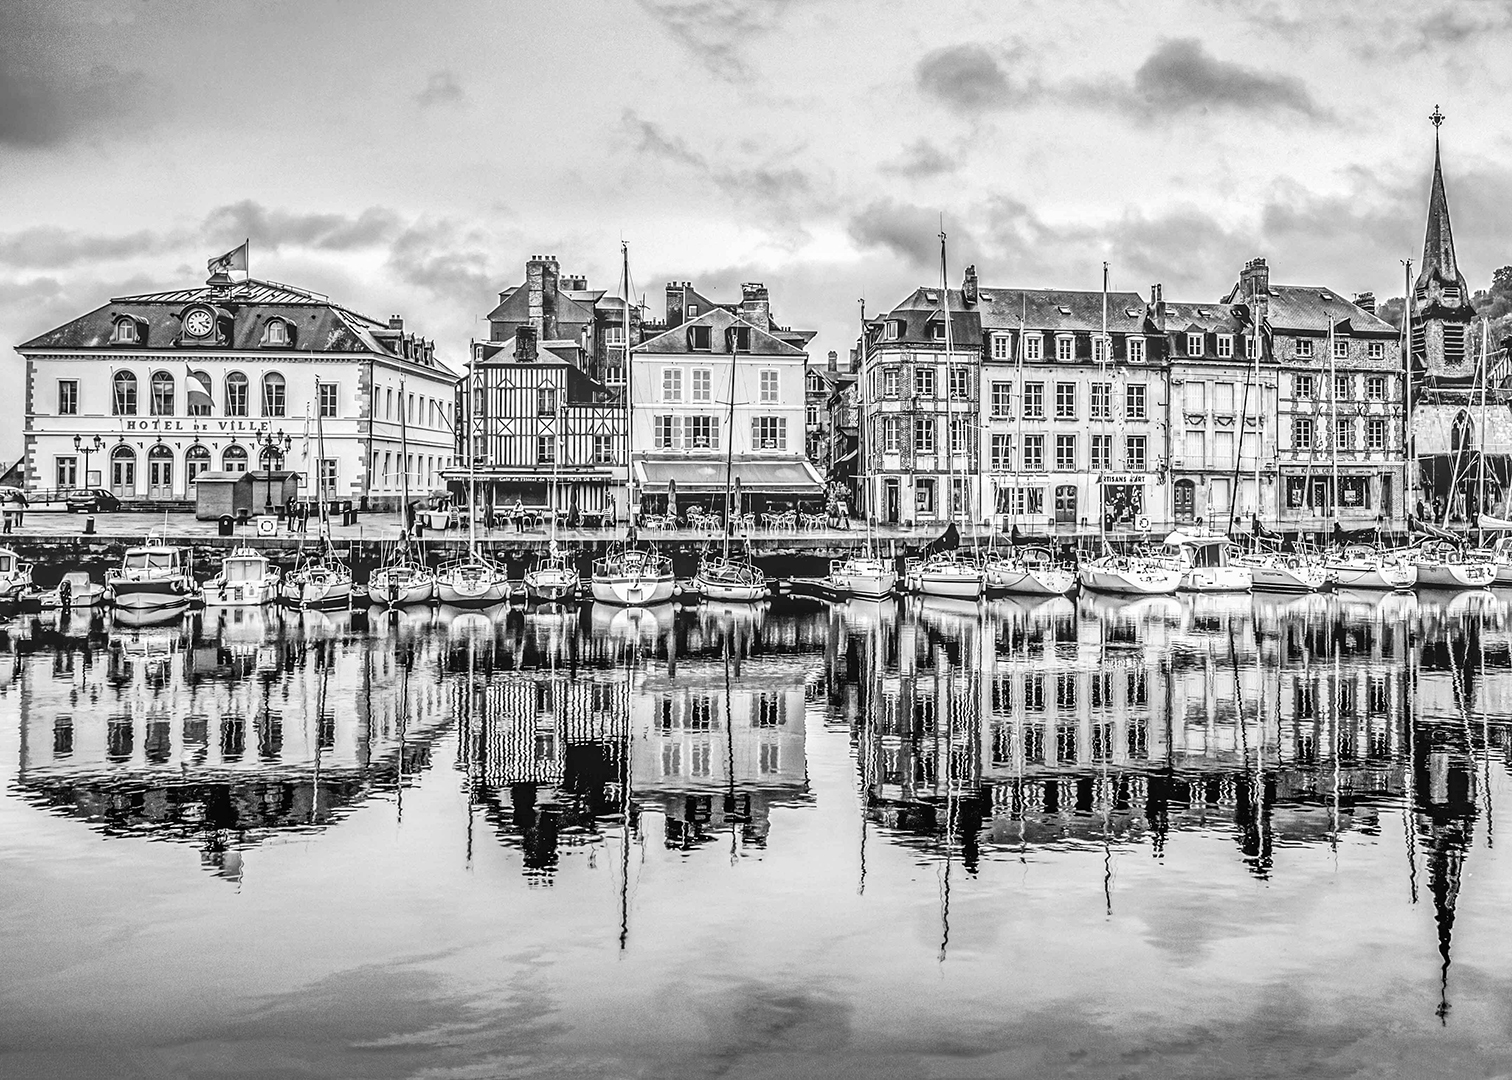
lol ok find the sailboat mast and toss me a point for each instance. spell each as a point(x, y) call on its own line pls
point(1016, 451)
point(1260, 412)
point(320, 507)
point(1102, 510)
point(403, 457)
point(1333, 441)
point(868, 504)
point(949, 419)
point(1409, 443)
point(472, 451)
point(1480, 482)
point(629, 400)
point(734, 342)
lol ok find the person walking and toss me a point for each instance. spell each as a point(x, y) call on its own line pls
point(519, 515)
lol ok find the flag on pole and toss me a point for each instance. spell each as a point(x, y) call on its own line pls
point(235, 259)
point(198, 385)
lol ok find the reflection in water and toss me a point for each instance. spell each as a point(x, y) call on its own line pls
point(982, 735)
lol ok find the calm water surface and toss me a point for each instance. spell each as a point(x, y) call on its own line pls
point(1193, 837)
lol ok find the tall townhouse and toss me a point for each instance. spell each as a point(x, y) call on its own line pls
point(1339, 372)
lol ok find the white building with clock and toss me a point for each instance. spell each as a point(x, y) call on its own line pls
point(144, 393)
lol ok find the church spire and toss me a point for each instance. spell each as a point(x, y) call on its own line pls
point(1440, 282)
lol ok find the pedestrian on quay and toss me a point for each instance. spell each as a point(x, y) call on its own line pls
point(519, 515)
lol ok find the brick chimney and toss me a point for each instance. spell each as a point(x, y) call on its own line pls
point(834, 362)
point(1366, 301)
point(755, 307)
point(1157, 306)
point(541, 274)
point(675, 302)
point(525, 344)
point(969, 285)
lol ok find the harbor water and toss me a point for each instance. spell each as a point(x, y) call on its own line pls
point(1190, 837)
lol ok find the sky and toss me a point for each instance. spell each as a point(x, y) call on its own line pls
point(408, 158)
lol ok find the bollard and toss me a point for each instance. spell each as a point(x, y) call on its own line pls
point(89, 525)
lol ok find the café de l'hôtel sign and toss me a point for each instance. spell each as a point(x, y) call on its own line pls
point(202, 425)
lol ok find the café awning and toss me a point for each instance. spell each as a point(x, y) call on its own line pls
point(708, 478)
point(1433, 428)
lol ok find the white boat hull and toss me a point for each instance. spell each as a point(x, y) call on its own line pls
point(632, 590)
point(1158, 581)
point(152, 595)
point(241, 593)
point(1208, 579)
point(1381, 577)
point(1466, 575)
point(94, 596)
point(316, 594)
point(400, 593)
point(1031, 580)
point(1309, 577)
point(462, 593)
point(729, 590)
point(547, 586)
point(960, 585)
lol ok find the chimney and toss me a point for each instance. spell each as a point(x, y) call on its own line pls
point(1366, 301)
point(541, 273)
point(969, 285)
point(1254, 289)
point(834, 362)
point(525, 344)
point(755, 306)
point(675, 297)
point(1157, 306)
point(396, 322)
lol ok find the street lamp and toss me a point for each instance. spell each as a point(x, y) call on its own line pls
point(87, 448)
point(274, 444)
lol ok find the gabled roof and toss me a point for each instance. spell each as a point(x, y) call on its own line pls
point(1060, 310)
point(1313, 308)
point(581, 387)
point(514, 307)
point(676, 339)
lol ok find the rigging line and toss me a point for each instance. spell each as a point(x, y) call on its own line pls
point(1408, 698)
point(1480, 694)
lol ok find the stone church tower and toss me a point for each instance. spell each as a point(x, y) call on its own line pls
point(1441, 309)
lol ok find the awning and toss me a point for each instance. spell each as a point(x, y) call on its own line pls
point(1433, 428)
point(705, 478)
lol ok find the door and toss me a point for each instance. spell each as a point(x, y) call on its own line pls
point(123, 476)
point(1386, 507)
point(1185, 498)
point(1065, 504)
point(160, 477)
point(890, 500)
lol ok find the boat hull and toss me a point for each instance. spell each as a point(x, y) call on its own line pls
point(632, 590)
point(1383, 577)
point(158, 594)
point(317, 594)
point(1466, 575)
point(1030, 580)
point(549, 586)
point(865, 579)
point(1289, 579)
point(966, 585)
point(241, 593)
point(389, 593)
point(50, 600)
point(1217, 579)
point(468, 594)
point(1129, 582)
point(730, 590)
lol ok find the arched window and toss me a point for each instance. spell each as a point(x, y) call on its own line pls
point(162, 394)
point(276, 333)
point(196, 461)
point(236, 394)
point(197, 393)
point(273, 400)
point(1462, 439)
point(125, 403)
point(123, 471)
point(126, 330)
point(234, 458)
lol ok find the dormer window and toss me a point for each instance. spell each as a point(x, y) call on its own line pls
point(892, 330)
point(937, 330)
point(127, 332)
point(278, 332)
point(698, 338)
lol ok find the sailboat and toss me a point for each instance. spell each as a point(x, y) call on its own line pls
point(472, 581)
point(864, 576)
point(631, 576)
point(1206, 565)
point(322, 580)
point(1137, 574)
point(404, 579)
point(945, 573)
point(720, 577)
point(553, 578)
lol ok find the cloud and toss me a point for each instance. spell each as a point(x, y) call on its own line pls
point(441, 88)
point(1181, 75)
point(920, 160)
point(52, 247)
point(438, 257)
point(909, 232)
point(273, 229)
point(716, 32)
point(966, 77)
point(38, 110)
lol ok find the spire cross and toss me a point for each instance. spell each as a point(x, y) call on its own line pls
point(1436, 118)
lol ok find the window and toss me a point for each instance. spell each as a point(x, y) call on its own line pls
point(1375, 433)
point(958, 431)
point(1034, 453)
point(1065, 452)
point(546, 400)
point(1378, 350)
point(277, 333)
point(1375, 387)
point(924, 434)
point(327, 393)
point(1195, 447)
point(1034, 347)
point(388, 403)
point(698, 338)
point(891, 330)
point(1102, 453)
point(1101, 398)
point(703, 381)
point(68, 397)
point(1194, 398)
point(1000, 346)
point(890, 382)
point(1136, 349)
point(1194, 344)
point(1101, 354)
point(545, 449)
point(1002, 398)
point(1065, 401)
point(702, 432)
point(1065, 347)
point(1302, 433)
point(1344, 433)
point(1034, 401)
point(197, 392)
point(67, 472)
point(1225, 346)
point(1251, 347)
point(769, 432)
point(924, 496)
point(1223, 449)
point(196, 461)
point(1354, 492)
point(960, 384)
point(1021, 500)
point(328, 476)
point(1304, 347)
point(1223, 397)
point(236, 394)
point(1134, 402)
point(1341, 348)
point(603, 450)
point(892, 434)
point(1341, 386)
point(234, 459)
point(768, 386)
point(1134, 453)
point(667, 432)
point(162, 394)
point(125, 330)
point(1302, 386)
point(924, 382)
point(1002, 452)
point(672, 384)
point(273, 401)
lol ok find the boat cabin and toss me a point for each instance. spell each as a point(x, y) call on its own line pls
point(1199, 549)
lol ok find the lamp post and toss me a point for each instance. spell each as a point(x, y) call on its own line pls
point(87, 448)
point(272, 445)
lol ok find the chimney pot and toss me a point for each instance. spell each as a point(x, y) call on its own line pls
point(396, 322)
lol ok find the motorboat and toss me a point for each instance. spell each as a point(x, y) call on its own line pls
point(863, 577)
point(247, 578)
point(1028, 571)
point(151, 577)
point(76, 590)
point(15, 575)
point(320, 582)
point(632, 577)
point(402, 582)
point(721, 578)
point(1442, 564)
point(1131, 575)
point(1285, 572)
point(472, 582)
point(553, 578)
point(945, 575)
point(1361, 566)
point(1205, 563)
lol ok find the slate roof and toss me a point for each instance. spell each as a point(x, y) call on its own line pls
point(1060, 310)
point(514, 307)
point(1314, 308)
point(1209, 318)
point(675, 339)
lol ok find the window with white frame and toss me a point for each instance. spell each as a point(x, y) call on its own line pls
point(1102, 453)
point(672, 384)
point(1375, 387)
point(1000, 344)
point(960, 384)
point(1021, 500)
point(1194, 447)
point(603, 449)
point(67, 473)
point(1065, 347)
point(1251, 347)
point(1002, 398)
point(1134, 453)
point(1065, 452)
point(68, 397)
point(703, 382)
point(1034, 347)
point(1101, 398)
point(1194, 344)
point(545, 449)
point(1194, 397)
point(1225, 343)
point(924, 382)
point(958, 435)
point(1002, 452)
point(1375, 433)
point(892, 434)
point(769, 385)
point(937, 330)
point(1034, 453)
point(1034, 401)
point(668, 432)
point(1101, 352)
point(1223, 397)
point(1302, 433)
point(1136, 350)
point(1304, 347)
point(1341, 386)
point(1134, 402)
point(1065, 401)
point(1341, 348)
point(1344, 433)
point(1378, 350)
point(701, 432)
point(327, 402)
point(890, 382)
point(1302, 386)
point(924, 434)
point(769, 432)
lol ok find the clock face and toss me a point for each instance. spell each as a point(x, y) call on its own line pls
point(199, 323)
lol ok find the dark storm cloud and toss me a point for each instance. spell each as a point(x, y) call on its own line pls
point(441, 88)
point(920, 160)
point(909, 232)
point(443, 259)
point(52, 247)
point(273, 229)
point(966, 77)
point(1182, 75)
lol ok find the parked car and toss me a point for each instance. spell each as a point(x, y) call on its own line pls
point(92, 501)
